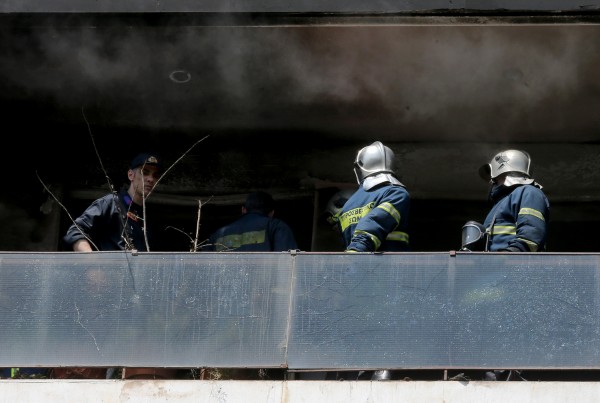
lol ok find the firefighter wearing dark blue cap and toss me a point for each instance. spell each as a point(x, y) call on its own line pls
point(116, 220)
point(375, 217)
point(518, 221)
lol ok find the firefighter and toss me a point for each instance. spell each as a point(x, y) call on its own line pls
point(116, 220)
point(256, 230)
point(375, 217)
point(518, 221)
point(113, 222)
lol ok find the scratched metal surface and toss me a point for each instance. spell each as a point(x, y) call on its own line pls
point(112, 308)
point(341, 311)
point(437, 311)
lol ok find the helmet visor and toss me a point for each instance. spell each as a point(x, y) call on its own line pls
point(472, 232)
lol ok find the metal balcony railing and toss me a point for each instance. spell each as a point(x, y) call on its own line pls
point(301, 310)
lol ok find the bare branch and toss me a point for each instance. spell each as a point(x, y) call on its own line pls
point(66, 211)
point(110, 185)
point(199, 245)
point(124, 235)
point(144, 196)
point(183, 232)
point(173, 164)
point(194, 241)
point(195, 244)
point(144, 214)
point(224, 248)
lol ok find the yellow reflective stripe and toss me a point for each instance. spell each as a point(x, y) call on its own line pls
point(237, 240)
point(392, 236)
point(533, 212)
point(398, 236)
point(504, 229)
point(375, 240)
point(391, 210)
point(533, 247)
point(353, 216)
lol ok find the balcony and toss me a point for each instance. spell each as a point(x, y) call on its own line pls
point(418, 314)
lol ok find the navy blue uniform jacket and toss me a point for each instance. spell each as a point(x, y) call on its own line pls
point(102, 222)
point(253, 232)
point(518, 221)
point(376, 219)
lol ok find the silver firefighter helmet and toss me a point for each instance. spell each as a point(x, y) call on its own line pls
point(375, 164)
point(515, 163)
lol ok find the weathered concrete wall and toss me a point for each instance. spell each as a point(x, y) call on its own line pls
point(133, 391)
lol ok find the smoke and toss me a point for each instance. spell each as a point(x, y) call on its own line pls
point(458, 81)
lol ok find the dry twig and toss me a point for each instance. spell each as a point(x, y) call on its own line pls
point(124, 235)
point(66, 211)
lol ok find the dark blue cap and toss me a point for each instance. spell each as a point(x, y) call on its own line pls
point(146, 159)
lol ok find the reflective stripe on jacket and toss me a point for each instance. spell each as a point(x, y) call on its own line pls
point(253, 232)
point(376, 220)
point(520, 220)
